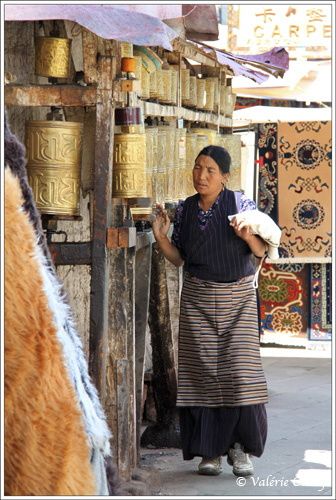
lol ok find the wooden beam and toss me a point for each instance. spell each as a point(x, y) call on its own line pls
point(71, 254)
point(49, 95)
point(102, 209)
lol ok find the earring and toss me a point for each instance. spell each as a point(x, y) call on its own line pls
point(223, 186)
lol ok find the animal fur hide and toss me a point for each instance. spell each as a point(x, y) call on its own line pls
point(46, 446)
point(92, 412)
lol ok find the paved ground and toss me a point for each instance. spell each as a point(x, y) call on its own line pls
point(297, 458)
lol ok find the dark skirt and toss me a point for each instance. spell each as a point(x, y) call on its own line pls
point(210, 432)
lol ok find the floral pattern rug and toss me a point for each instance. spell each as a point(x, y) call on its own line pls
point(284, 303)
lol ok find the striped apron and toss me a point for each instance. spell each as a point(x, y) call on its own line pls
point(219, 353)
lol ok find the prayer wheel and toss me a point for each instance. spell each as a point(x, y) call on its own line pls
point(151, 159)
point(54, 151)
point(180, 191)
point(174, 86)
point(165, 95)
point(129, 166)
point(162, 164)
point(185, 85)
point(52, 56)
point(191, 154)
point(208, 132)
point(200, 88)
point(209, 94)
point(145, 83)
point(192, 101)
point(170, 163)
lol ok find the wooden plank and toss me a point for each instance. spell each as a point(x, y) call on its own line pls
point(190, 51)
point(49, 95)
point(121, 347)
point(90, 50)
point(101, 221)
point(67, 254)
point(123, 410)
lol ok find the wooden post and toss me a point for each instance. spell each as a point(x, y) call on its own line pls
point(120, 403)
point(142, 287)
point(102, 201)
point(163, 434)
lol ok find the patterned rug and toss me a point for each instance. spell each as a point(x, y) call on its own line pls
point(320, 302)
point(304, 190)
point(284, 303)
point(268, 170)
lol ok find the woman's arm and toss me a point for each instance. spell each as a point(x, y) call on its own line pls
point(257, 245)
point(160, 228)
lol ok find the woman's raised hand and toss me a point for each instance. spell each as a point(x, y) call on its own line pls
point(161, 223)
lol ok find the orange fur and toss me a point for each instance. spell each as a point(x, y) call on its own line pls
point(46, 449)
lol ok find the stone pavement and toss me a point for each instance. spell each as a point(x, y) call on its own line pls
point(297, 458)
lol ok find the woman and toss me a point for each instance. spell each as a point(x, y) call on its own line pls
point(221, 384)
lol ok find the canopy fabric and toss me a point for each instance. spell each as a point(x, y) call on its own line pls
point(106, 21)
point(263, 114)
point(274, 62)
point(304, 81)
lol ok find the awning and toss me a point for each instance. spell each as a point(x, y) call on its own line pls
point(106, 21)
point(307, 81)
point(263, 114)
point(255, 67)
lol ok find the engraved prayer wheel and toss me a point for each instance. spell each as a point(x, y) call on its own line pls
point(174, 86)
point(54, 151)
point(200, 88)
point(165, 95)
point(151, 159)
point(191, 153)
point(52, 56)
point(192, 101)
point(170, 163)
point(208, 132)
point(185, 85)
point(129, 166)
point(145, 84)
point(209, 94)
point(180, 191)
point(162, 164)
point(223, 93)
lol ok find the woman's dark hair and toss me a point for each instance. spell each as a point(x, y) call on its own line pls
point(220, 155)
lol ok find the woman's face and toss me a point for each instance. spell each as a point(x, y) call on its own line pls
point(207, 177)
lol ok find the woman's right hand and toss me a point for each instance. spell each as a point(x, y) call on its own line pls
point(161, 223)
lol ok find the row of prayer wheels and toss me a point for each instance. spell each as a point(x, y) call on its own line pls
point(158, 79)
point(151, 162)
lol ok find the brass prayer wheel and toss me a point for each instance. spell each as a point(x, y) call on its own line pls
point(151, 159)
point(145, 84)
point(208, 132)
point(52, 56)
point(129, 166)
point(174, 86)
point(209, 94)
point(165, 95)
point(200, 88)
point(192, 101)
point(54, 157)
point(191, 154)
point(185, 84)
